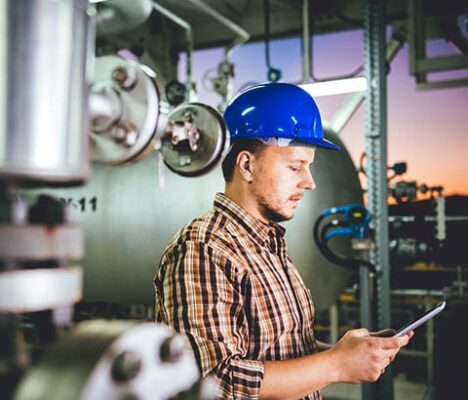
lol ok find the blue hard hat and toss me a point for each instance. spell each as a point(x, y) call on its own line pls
point(276, 110)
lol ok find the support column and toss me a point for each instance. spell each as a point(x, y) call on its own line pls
point(376, 166)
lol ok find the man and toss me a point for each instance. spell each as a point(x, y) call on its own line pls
point(226, 280)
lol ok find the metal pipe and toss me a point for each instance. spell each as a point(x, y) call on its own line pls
point(242, 37)
point(306, 78)
point(105, 108)
point(242, 34)
point(334, 323)
point(352, 103)
point(430, 350)
point(45, 83)
point(189, 35)
point(119, 16)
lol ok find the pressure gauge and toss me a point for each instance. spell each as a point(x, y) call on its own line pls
point(195, 139)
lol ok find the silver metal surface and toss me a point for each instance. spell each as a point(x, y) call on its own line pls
point(306, 59)
point(334, 323)
point(105, 107)
point(110, 360)
point(441, 227)
point(126, 129)
point(40, 289)
point(119, 16)
point(45, 51)
point(195, 140)
point(376, 169)
point(39, 242)
point(128, 222)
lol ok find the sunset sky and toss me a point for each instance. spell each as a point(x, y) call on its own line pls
point(427, 129)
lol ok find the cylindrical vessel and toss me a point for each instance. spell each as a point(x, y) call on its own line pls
point(45, 48)
point(128, 222)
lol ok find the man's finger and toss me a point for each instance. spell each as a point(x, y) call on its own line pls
point(386, 333)
point(393, 343)
point(388, 355)
point(361, 332)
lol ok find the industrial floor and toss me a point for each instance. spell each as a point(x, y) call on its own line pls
point(403, 389)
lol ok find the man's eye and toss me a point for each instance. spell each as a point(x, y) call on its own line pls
point(294, 169)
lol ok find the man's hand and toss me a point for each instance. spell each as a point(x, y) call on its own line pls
point(363, 357)
point(322, 346)
point(358, 357)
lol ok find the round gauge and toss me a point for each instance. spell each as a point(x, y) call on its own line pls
point(195, 139)
point(357, 215)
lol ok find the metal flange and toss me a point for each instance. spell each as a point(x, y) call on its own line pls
point(113, 360)
point(195, 139)
point(33, 290)
point(126, 111)
point(40, 242)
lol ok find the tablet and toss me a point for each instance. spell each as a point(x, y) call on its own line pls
point(421, 320)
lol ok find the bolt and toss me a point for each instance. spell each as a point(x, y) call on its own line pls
point(126, 78)
point(120, 75)
point(119, 134)
point(19, 212)
point(126, 366)
point(131, 138)
point(172, 349)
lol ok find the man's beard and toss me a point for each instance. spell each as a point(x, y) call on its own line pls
point(273, 213)
point(276, 216)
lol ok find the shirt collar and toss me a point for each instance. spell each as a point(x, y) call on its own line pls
point(257, 228)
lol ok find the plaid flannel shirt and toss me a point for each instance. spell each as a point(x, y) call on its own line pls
point(226, 282)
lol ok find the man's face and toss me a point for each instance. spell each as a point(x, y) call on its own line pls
point(280, 177)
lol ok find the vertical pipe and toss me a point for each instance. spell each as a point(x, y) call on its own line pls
point(430, 351)
point(365, 308)
point(306, 78)
point(334, 323)
point(44, 129)
point(189, 35)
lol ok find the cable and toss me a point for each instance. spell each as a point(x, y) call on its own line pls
point(361, 163)
point(352, 74)
point(274, 74)
point(330, 255)
point(266, 15)
point(206, 78)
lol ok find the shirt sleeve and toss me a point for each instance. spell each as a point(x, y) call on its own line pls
point(200, 295)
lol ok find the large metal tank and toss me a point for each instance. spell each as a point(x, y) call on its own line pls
point(128, 221)
point(45, 53)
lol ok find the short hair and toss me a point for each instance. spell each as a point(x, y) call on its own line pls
point(253, 146)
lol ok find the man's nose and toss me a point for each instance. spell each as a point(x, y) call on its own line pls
point(308, 183)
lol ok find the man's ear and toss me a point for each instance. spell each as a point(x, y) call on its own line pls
point(245, 163)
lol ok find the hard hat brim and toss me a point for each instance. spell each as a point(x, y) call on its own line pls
point(322, 143)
